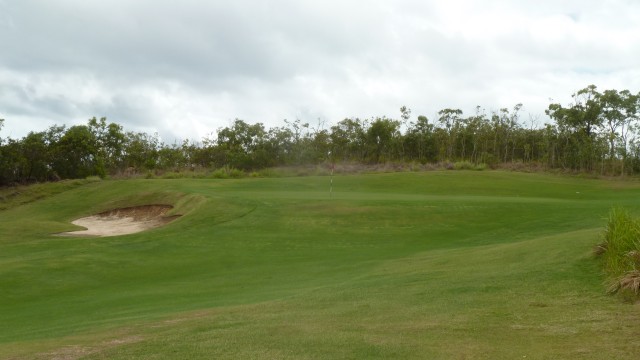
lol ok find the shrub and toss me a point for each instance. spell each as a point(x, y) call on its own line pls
point(235, 173)
point(227, 173)
point(462, 165)
point(467, 165)
point(480, 167)
point(620, 252)
point(220, 174)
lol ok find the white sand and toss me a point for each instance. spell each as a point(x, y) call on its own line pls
point(122, 221)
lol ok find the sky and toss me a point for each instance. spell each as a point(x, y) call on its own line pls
point(186, 68)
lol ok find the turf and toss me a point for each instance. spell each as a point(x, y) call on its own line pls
point(447, 264)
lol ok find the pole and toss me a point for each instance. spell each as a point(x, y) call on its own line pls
point(331, 182)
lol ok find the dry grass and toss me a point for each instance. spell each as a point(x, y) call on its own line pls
point(628, 282)
point(600, 249)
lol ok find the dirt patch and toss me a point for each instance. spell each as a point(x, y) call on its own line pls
point(74, 352)
point(123, 221)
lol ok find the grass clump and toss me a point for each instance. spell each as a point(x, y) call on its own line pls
point(620, 251)
point(227, 173)
point(467, 165)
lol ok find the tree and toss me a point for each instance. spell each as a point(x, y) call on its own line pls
point(473, 132)
point(595, 131)
point(449, 119)
point(405, 114)
point(348, 139)
point(2, 157)
point(380, 136)
point(297, 133)
point(612, 113)
point(10, 159)
point(419, 142)
point(619, 111)
point(141, 151)
point(280, 144)
point(35, 157)
point(243, 145)
point(110, 139)
point(580, 123)
point(507, 126)
point(76, 154)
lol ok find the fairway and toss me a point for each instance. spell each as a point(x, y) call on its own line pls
point(439, 265)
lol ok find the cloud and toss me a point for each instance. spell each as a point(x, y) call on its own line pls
point(184, 69)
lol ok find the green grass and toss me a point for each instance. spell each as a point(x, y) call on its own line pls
point(622, 235)
point(441, 264)
point(18, 195)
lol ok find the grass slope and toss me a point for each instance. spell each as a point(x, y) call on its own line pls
point(406, 265)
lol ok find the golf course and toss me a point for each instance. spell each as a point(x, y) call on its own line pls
point(406, 265)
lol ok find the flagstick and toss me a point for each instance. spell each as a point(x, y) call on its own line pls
point(331, 182)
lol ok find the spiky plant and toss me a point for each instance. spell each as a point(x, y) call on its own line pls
point(620, 251)
point(620, 238)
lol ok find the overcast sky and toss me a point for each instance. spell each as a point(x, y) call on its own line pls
point(186, 68)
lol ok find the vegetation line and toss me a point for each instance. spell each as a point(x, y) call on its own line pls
point(596, 133)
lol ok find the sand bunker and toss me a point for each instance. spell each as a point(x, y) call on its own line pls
point(123, 221)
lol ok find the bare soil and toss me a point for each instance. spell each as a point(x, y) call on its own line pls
point(123, 221)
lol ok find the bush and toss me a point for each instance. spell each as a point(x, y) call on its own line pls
point(463, 165)
point(620, 252)
point(235, 173)
point(467, 165)
point(227, 173)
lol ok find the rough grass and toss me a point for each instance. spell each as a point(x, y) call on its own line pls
point(13, 196)
point(621, 252)
point(467, 165)
point(442, 264)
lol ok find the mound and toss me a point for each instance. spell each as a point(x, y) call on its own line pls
point(123, 221)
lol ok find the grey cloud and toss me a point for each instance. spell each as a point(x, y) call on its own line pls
point(24, 101)
point(149, 64)
point(203, 42)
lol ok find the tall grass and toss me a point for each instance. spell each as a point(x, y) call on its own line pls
point(621, 252)
point(467, 165)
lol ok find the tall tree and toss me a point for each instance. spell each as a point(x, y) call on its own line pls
point(35, 157)
point(348, 139)
point(110, 140)
point(620, 112)
point(380, 139)
point(243, 145)
point(611, 104)
point(76, 154)
point(581, 122)
point(141, 151)
point(419, 141)
point(450, 120)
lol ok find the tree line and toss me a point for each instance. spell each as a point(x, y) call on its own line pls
point(596, 133)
